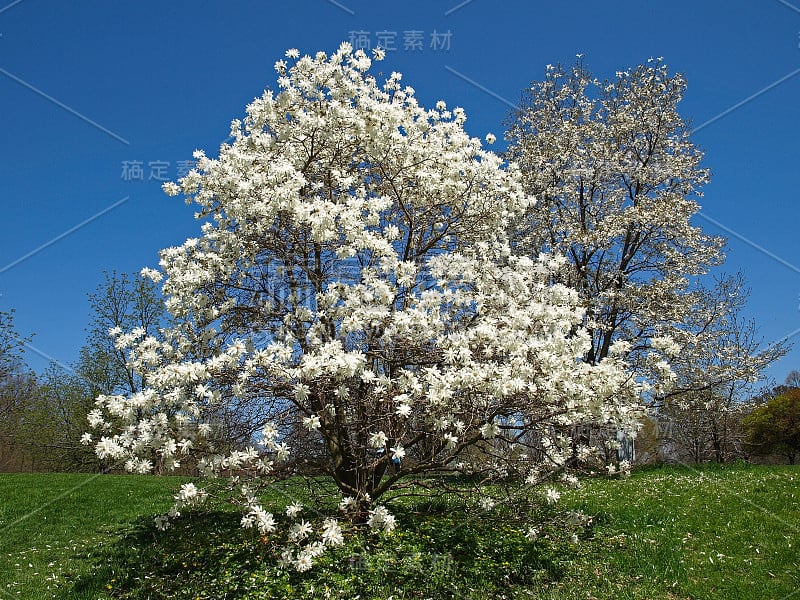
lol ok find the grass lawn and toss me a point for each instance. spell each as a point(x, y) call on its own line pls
point(718, 532)
point(53, 527)
point(724, 532)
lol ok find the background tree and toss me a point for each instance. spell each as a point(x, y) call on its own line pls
point(53, 418)
point(353, 283)
point(792, 381)
point(12, 347)
point(17, 387)
point(47, 413)
point(720, 361)
point(793, 378)
point(774, 427)
point(617, 180)
point(121, 302)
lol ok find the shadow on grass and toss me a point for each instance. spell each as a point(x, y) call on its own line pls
point(191, 555)
point(438, 554)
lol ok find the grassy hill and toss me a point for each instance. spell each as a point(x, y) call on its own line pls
point(717, 532)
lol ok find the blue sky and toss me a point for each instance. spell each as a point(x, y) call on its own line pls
point(89, 89)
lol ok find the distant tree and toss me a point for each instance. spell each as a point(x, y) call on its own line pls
point(17, 392)
point(56, 419)
point(17, 388)
point(720, 361)
point(774, 427)
point(12, 347)
point(793, 379)
point(121, 302)
point(43, 440)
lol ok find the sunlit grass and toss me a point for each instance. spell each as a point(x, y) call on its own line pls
point(717, 532)
point(54, 526)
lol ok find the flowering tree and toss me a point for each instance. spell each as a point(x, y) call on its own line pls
point(353, 294)
point(720, 361)
point(617, 178)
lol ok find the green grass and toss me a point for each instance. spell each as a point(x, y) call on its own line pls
point(719, 532)
point(54, 527)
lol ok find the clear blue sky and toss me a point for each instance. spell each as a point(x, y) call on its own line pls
point(88, 88)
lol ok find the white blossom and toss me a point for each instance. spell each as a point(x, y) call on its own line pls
point(379, 518)
point(332, 533)
point(294, 509)
point(398, 452)
point(259, 518)
point(489, 430)
point(303, 562)
point(552, 495)
point(311, 423)
point(377, 440)
point(300, 531)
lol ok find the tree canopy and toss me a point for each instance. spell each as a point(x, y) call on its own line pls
point(617, 179)
point(774, 427)
point(354, 294)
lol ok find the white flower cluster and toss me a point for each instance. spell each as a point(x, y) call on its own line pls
point(259, 518)
point(302, 548)
point(380, 519)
